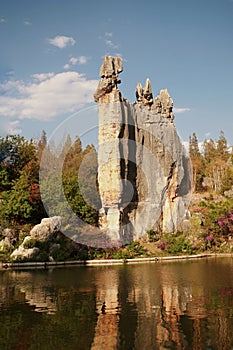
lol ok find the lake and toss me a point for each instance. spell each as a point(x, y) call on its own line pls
point(161, 305)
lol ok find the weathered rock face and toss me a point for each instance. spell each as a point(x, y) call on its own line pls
point(144, 175)
point(41, 232)
point(9, 240)
point(47, 228)
point(24, 253)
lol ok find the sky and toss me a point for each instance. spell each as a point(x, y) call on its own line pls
point(51, 52)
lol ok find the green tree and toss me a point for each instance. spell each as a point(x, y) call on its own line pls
point(19, 205)
point(217, 163)
point(41, 145)
point(15, 153)
point(222, 147)
point(197, 162)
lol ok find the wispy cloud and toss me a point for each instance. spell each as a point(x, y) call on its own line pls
point(61, 41)
point(3, 20)
point(73, 60)
point(46, 96)
point(14, 128)
point(181, 110)
point(108, 39)
point(111, 44)
point(76, 60)
point(27, 23)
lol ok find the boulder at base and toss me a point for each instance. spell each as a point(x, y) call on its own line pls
point(46, 229)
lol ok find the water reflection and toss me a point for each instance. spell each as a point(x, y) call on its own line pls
point(176, 305)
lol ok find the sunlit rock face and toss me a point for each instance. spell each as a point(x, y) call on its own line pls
point(144, 175)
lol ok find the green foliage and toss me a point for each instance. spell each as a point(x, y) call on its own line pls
point(15, 153)
point(214, 164)
point(136, 249)
point(179, 245)
point(197, 162)
point(129, 251)
point(18, 204)
point(153, 236)
point(20, 200)
point(176, 244)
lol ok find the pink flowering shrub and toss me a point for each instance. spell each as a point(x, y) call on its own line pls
point(225, 224)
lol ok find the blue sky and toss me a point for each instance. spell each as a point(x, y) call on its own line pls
point(51, 52)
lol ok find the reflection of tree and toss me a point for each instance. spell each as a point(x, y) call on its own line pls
point(151, 306)
point(23, 328)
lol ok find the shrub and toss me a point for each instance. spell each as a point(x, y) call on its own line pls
point(176, 244)
point(153, 236)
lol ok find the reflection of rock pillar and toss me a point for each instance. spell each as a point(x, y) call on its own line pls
point(168, 331)
point(106, 331)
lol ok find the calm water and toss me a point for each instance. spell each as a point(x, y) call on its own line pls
point(173, 305)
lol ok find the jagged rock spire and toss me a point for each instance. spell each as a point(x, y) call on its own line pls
point(139, 93)
point(163, 104)
point(147, 93)
point(109, 71)
point(111, 66)
point(144, 95)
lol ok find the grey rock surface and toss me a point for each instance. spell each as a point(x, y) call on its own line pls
point(47, 228)
point(24, 253)
point(144, 174)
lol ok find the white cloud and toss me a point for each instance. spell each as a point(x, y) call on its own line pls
point(181, 110)
point(3, 20)
point(73, 60)
point(111, 44)
point(108, 40)
point(66, 66)
point(27, 23)
point(43, 76)
point(82, 59)
point(46, 96)
point(61, 41)
point(14, 128)
point(78, 60)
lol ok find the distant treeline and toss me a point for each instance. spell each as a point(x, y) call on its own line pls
point(213, 166)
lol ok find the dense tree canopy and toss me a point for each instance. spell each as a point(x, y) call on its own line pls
point(213, 167)
point(20, 160)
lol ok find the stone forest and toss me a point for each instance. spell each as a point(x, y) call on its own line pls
point(144, 175)
point(149, 199)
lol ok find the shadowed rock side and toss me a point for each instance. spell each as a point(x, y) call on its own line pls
point(143, 173)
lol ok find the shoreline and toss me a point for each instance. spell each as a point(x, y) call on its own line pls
point(107, 262)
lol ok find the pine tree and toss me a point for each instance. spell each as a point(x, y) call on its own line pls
point(197, 162)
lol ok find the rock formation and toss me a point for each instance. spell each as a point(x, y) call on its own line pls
point(109, 71)
point(144, 175)
point(9, 240)
point(46, 229)
point(42, 232)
